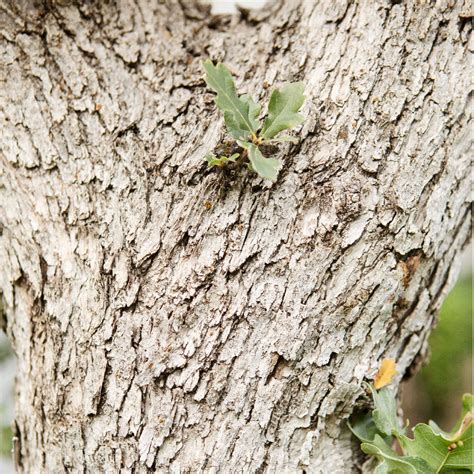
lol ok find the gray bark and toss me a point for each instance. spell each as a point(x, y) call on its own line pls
point(168, 318)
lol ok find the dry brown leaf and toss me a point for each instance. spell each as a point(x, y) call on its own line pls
point(385, 373)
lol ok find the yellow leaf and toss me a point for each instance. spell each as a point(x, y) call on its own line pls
point(385, 374)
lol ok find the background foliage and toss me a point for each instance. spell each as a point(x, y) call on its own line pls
point(434, 393)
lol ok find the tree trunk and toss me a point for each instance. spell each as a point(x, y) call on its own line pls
point(171, 318)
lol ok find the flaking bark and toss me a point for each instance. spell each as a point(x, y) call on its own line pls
point(167, 318)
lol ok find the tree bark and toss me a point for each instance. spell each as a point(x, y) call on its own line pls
point(171, 318)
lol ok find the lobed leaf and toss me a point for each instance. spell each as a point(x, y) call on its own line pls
point(240, 113)
point(363, 427)
point(441, 454)
point(267, 168)
point(213, 160)
point(431, 450)
point(391, 462)
point(283, 109)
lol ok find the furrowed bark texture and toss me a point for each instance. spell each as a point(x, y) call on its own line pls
point(170, 318)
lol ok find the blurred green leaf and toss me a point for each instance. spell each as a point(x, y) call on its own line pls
point(363, 427)
point(439, 453)
point(385, 412)
point(451, 350)
point(282, 139)
point(391, 462)
point(5, 438)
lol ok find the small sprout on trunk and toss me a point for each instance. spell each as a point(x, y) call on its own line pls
point(213, 160)
point(241, 116)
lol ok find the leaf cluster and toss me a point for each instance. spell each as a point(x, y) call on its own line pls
point(241, 116)
point(430, 451)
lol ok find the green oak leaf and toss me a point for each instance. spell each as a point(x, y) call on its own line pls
point(254, 112)
point(385, 412)
point(283, 109)
point(267, 168)
point(282, 139)
point(213, 160)
point(391, 462)
point(431, 451)
point(441, 454)
point(240, 113)
point(243, 144)
point(363, 427)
